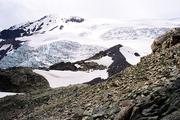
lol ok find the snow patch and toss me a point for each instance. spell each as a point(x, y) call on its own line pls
point(106, 61)
point(4, 94)
point(130, 56)
point(64, 78)
point(78, 66)
point(4, 47)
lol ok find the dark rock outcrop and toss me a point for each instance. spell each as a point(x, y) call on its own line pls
point(63, 66)
point(119, 61)
point(75, 19)
point(21, 80)
point(83, 66)
point(11, 34)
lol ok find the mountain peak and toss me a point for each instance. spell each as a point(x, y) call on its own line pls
point(45, 22)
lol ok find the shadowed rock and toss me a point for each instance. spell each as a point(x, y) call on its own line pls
point(21, 80)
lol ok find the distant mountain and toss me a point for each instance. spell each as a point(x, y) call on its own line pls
point(46, 23)
point(8, 37)
point(54, 39)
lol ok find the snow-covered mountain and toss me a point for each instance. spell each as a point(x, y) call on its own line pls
point(53, 39)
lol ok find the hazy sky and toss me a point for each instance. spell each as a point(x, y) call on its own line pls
point(18, 11)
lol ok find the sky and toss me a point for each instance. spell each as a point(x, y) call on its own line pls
point(19, 11)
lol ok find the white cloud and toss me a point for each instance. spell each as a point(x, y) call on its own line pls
point(17, 11)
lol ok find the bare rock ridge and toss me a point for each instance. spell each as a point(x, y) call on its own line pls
point(149, 90)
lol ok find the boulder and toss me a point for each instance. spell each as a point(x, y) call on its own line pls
point(166, 40)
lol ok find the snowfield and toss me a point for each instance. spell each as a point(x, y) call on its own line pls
point(106, 61)
point(64, 78)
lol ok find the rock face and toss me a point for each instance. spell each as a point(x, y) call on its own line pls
point(21, 80)
point(148, 91)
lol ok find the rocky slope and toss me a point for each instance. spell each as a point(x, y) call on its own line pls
point(149, 90)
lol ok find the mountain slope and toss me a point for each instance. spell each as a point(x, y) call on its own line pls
point(36, 43)
point(148, 90)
